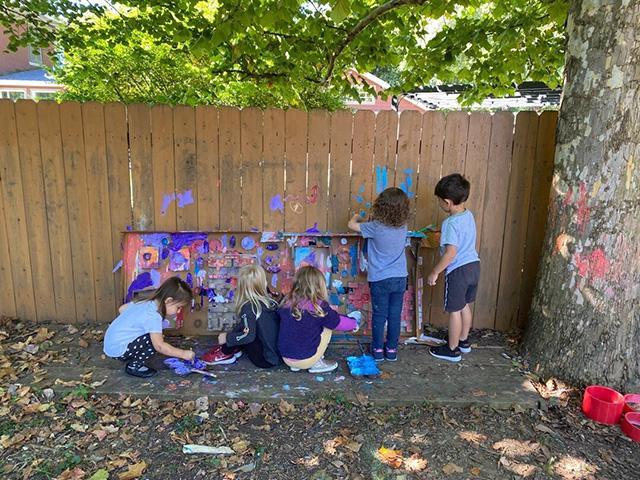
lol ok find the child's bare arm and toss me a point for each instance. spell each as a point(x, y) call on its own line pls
point(449, 254)
point(170, 351)
point(354, 224)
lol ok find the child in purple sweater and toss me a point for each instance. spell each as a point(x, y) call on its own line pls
point(307, 322)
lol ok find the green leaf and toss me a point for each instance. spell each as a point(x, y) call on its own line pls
point(101, 474)
point(340, 10)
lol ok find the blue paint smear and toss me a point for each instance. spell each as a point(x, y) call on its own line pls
point(334, 299)
point(165, 253)
point(274, 280)
point(189, 279)
point(353, 251)
point(185, 239)
point(367, 205)
point(381, 179)
point(408, 182)
point(359, 198)
point(313, 229)
point(155, 278)
point(363, 213)
point(141, 282)
point(117, 266)
point(335, 264)
point(185, 198)
point(361, 189)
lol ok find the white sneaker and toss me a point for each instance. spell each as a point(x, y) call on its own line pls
point(322, 366)
point(294, 369)
point(238, 354)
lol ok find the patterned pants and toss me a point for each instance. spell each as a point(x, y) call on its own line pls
point(138, 351)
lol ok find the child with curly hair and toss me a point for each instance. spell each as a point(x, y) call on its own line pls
point(387, 272)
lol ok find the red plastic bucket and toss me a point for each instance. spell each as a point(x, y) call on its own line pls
point(629, 399)
point(602, 404)
point(631, 425)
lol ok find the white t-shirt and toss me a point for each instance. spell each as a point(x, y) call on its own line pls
point(137, 320)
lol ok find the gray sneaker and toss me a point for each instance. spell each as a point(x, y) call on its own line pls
point(323, 366)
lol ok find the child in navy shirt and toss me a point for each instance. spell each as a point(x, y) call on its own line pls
point(461, 264)
point(307, 322)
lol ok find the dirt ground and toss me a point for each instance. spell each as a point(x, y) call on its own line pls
point(64, 430)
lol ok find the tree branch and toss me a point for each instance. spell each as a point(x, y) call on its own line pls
point(371, 17)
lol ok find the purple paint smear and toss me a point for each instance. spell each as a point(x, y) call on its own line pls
point(117, 266)
point(141, 282)
point(184, 239)
point(153, 239)
point(313, 229)
point(183, 199)
point(276, 203)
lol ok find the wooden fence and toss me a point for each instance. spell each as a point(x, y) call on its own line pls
point(74, 176)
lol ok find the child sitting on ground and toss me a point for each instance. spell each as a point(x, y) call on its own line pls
point(136, 334)
point(461, 264)
point(257, 331)
point(387, 268)
point(307, 321)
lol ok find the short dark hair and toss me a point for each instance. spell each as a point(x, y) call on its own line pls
point(453, 187)
point(392, 207)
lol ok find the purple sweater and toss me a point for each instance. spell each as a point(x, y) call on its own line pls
point(299, 339)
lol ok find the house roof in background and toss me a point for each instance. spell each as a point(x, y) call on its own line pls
point(36, 75)
point(528, 96)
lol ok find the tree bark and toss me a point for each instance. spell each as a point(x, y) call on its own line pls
point(584, 324)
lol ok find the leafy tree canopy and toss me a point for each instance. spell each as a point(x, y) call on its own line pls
point(290, 52)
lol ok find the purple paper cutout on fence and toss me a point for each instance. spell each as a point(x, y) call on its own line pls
point(276, 203)
point(274, 280)
point(141, 282)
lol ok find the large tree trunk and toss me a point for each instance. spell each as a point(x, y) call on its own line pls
point(584, 323)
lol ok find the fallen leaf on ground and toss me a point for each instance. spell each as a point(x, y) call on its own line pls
point(415, 463)
point(97, 384)
point(134, 471)
point(83, 343)
point(285, 407)
point(101, 474)
point(75, 474)
point(475, 471)
point(393, 458)
point(543, 428)
point(362, 399)
point(100, 434)
point(249, 467)
point(450, 468)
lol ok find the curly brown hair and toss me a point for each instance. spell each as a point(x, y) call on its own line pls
point(391, 207)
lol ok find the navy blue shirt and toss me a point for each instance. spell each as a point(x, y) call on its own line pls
point(299, 339)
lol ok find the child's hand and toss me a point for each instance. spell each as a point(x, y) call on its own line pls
point(222, 338)
point(189, 355)
point(432, 278)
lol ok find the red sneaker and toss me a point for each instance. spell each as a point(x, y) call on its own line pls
point(216, 356)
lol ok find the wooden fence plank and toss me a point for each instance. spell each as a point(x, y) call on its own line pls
point(7, 301)
point(406, 176)
point(73, 150)
point(317, 170)
point(339, 177)
point(273, 170)
point(361, 195)
point(230, 165)
point(208, 168)
point(141, 166)
point(493, 220)
point(296, 170)
point(385, 149)
point(475, 168)
point(522, 164)
point(162, 158)
point(99, 212)
point(251, 146)
point(184, 137)
point(538, 209)
point(15, 215)
point(35, 208)
point(455, 151)
point(433, 127)
point(117, 153)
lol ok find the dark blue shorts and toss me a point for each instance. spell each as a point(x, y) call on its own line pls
point(461, 287)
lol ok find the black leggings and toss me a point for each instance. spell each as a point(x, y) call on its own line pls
point(253, 350)
point(138, 351)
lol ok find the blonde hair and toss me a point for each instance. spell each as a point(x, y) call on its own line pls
point(252, 288)
point(308, 286)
